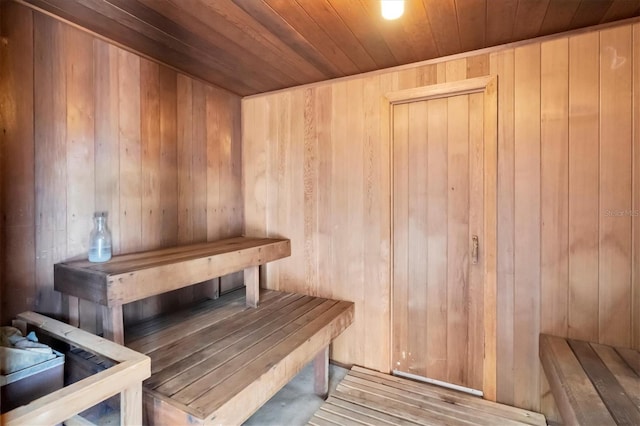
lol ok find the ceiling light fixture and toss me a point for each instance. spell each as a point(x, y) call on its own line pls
point(391, 9)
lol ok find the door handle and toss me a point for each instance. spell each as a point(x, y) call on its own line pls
point(474, 250)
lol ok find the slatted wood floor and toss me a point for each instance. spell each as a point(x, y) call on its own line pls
point(367, 397)
point(222, 360)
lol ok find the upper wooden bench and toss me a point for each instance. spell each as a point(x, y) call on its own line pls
point(592, 384)
point(131, 277)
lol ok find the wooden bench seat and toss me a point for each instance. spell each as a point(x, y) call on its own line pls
point(220, 361)
point(592, 384)
point(131, 277)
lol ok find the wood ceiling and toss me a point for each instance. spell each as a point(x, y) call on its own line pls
point(254, 46)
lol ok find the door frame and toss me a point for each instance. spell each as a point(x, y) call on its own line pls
point(489, 86)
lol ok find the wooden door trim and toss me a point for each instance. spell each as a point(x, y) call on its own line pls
point(436, 91)
point(489, 86)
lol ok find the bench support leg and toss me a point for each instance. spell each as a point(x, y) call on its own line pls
point(71, 305)
point(252, 282)
point(321, 372)
point(131, 405)
point(112, 324)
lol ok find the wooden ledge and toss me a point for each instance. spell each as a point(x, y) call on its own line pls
point(130, 277)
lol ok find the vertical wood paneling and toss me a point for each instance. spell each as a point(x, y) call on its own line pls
point(476, 299)
point(457, 233)
point(502, 64)
point(185, 156)
point(130, 155)
point(527, 224)
point(635, 317)
point(554, 208)
point(150, 140)
point(615, 186)
point(437, 165)
point(17, 171)
point(584, 211)
point(80, 151)
point(107, 142)
point(554, 175)
point(95, 128)
point(168, 156)
point(401, 237)
point(151, 212)
point(50, 148)
point(199, 162)
point(418, 252)
point(355, 207)
point(310, 182)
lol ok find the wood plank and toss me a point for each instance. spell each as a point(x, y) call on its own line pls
point(290, 358)
point(204, 386)
point(400, 332)
point(18, 231)
point(454, 397)
point(348, 409)
point(490, 198)
point(321, 373)
point(337, 419)
point(583, 194)
point(577, 399)
point(554, 184)
point(635, 261)
point(437, 164)
point(618, 403)
point(50, 150)
point(397, 407)
point(107, 141)
point(252, 283)
point(632, 358)
point(615, 188)
point(137, 333)
point(503, 65)
point(458, 412)
point(457, 238)
point(476, 279)
point(417, 237)
point(527, 223)
point(212, 261)
point(628, 379)
point(226, 344)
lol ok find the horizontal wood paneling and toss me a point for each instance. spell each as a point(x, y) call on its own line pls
point(111, 131)
point(565, 194)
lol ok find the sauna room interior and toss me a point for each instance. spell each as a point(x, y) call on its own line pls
point(426, 217)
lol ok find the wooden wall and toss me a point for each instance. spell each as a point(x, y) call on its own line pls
point(317, 170)
point(88, 126)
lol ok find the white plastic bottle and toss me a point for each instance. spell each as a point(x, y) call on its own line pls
point(100, 239)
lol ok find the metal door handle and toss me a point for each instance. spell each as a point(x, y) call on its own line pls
point(474, 250)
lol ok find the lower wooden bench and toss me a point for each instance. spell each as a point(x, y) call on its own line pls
point(592, 383)
point(221, 361)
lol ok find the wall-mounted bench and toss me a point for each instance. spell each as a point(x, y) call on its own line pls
point(592, 384)
point(218, 361)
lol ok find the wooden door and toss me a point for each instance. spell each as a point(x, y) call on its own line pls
point(438, 213)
